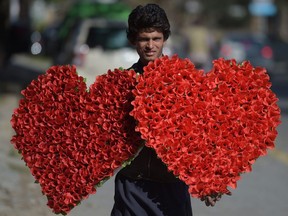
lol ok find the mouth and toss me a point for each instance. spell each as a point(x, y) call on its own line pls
point(150, 53)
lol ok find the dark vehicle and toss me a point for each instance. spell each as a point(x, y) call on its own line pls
point(18, 39)
point(255, 48)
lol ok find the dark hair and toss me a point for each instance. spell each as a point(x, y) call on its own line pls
point(150, 16)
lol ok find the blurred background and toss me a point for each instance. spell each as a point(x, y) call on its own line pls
point(36, 34)
point(41, 33)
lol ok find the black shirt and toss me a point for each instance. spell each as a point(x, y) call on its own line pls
point(146, 164)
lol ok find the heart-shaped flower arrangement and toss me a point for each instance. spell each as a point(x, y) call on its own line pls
point(207, 128)
point(73, 139)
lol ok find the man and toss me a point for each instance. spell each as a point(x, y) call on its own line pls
point(146, 187)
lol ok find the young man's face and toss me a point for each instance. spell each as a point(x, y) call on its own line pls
point(149, 45)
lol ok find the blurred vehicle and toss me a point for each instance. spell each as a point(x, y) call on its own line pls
point(247, 46)
point(92, 36)
point(18, 39)
point(95, 45)
point(280, 48)
point(22, 62)
point(22, 39)
point(54, 35)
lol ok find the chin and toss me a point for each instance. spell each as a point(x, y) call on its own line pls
point(151, 58)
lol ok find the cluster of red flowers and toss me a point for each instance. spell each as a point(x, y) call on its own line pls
point(207, 128)
point(71, 138)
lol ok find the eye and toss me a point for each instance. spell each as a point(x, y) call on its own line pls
point(142, 39)
point(157, 39)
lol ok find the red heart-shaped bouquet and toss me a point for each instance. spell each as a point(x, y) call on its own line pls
point(73, 139)
point(207, 128)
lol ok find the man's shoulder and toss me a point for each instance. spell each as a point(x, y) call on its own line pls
point(134, 66)
point(137, 67)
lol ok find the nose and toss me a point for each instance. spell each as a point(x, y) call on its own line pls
point(150, 44)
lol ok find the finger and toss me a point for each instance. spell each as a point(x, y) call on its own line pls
point(218, 197)
point(229, 193)
point(207, 202)
point(211, 201)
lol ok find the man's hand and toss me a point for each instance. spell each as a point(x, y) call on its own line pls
point(212, 199)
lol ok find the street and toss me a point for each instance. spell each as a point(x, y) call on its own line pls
point(263, 192)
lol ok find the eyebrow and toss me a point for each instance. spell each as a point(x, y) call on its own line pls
point(147, 37)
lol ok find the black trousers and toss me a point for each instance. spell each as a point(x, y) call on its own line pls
point(148, 198)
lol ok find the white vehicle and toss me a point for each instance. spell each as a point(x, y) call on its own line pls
point(96, 45)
